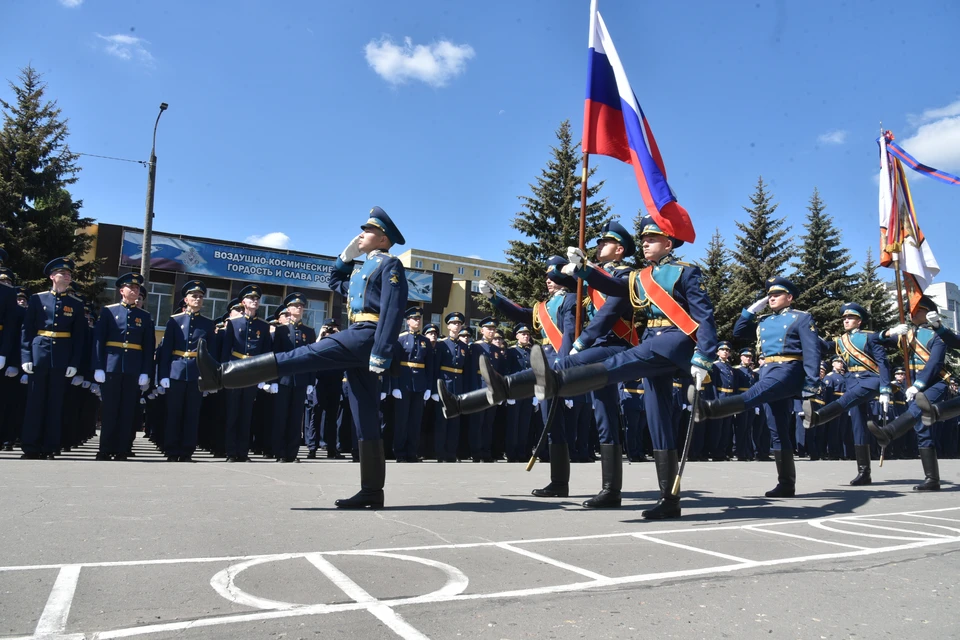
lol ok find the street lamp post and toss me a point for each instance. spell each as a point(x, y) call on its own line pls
point(151, 189)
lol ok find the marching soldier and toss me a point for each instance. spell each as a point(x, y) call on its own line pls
point(376, 293)
point(411, 388)
point(123, 344)
point(927, 355)
point(292, 390)
point(178, 373)
point(450, 361)
point(867, 377)
point(791, 351)
point(51, 349)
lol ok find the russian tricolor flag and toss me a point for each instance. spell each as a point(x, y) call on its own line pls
point(614, 125)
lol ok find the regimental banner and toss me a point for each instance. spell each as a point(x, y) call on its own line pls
point(242, 263)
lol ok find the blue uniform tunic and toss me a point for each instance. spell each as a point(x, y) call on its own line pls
point(413, 379)
point(288, 402)
point(743, 422)
point(927, 355)
point(450, 361)
point(867, 376)
point(241, 338)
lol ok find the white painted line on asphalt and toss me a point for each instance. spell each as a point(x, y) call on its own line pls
point(956, 530)
point(926, 534)
point(223, 583)
point(53, 620)
point(552, 561)
point(761, 528)
point(819, 524)
point(383, 613)
point(925, 517)
point(650, 537)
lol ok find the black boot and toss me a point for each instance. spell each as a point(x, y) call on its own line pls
point(713, 409)
point(463, 404)
point(373, 471)
point(565, 383)
point(813, 418)
point(235, 374)
point(885, 434)
point(516, 386)
point(933, 413)
point(931, 470)
point(611, 473)
point(786, 475)
point(668, 506)
point(559, 486)
point(863, 464)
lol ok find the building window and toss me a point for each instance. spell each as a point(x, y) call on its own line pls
point(436, 266)
point(476, 273)
point(268, 304)
point(315, 314)
point(435, 318)
point(160, 301)
point(460, 270)
point(109, 295)
point(418, 264)
point(215, 303)
point(474, 286)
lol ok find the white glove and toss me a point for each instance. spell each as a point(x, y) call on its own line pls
point(3, 361)
point(71, 371)
point(699, 376)
point(143, 401)
point(383, 396)
point(212, 392)
point(396, 393)
point(568, 403)
point(899, 330)
point(86, 384)
point(912, 391)
point(274, 388)
point(933, 319)
point(143, 380)
point(95, 388)
point(310, 389)
point(575, 257)
point(485, 289)
point(77, 381)
point(759, 305)
point(11, 372)
point(885, 401)
point(261, 385)
point(205, 394)
point(100, 376)
point(375, 369)
point(536, 401)
point(23, 379)
point(569, 270)
point(351, 252)
point(161, 391)
point(426, 395)
point(511, 401)
point(165, 383)
point(435, 397)
point(27, 367)
point(574, 351)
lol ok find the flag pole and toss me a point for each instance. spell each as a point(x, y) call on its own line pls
point(582, 240)
point(894, 251)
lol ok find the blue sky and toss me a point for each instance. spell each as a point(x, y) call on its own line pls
point(291, 119)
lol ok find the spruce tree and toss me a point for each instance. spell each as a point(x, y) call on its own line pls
point(716, 279)
point(38, 217)
point(822, 269)
point(550, 220)
point(871, 293)
point(762, 249)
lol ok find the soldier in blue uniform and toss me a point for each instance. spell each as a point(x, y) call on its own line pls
point(720, 431)
point(292, 389)
point(927, 355)
point(480, 424)
point(9, 338)
point(376, 293)
point(328, 389)
point(555, 318)
point(867, 377)
point(411, 387)
point(14, 394)
point(791, 350)
point(519, 414)
point(743, 422)
point(635, 419)
point(681, 335)
point(451, 358)
point(51, 349)
point(177, 370)
point(242, 338)
point(123, 345)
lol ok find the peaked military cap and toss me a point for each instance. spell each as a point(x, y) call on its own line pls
point(488, 321)
point(23, 291)
point(294, 298)
point(280, 311)
point(649, 227)
point(130, 278)
point(779, 284)
point(853, 309)
point(413, 312)
point(899, 370)
point(836, 359)
point(193, 285)
point(465, 332)
point(7, 274)
point(723, 344)
point(554, 265)
point(824, 365)
point(234, 304)
point(520, 327)
point(746, 351)
point(331, 322)
point(59, 263)
point(927, 303)
point(250, 291)
point(613, 230)
point(380, 220)
point(454, 316)
point(431, 327)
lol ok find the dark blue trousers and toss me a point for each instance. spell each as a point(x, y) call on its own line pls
point(779, 384)
point(407, 419)
point(121, 397)
point(518, 429)
point(183, 418)
point(41, 422)
point(288, 420)
point(239, 416)
point(481, 433)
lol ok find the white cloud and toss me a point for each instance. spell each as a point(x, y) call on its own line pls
point(71, 4)
point(839, 136)
point(127, 47)
point(276, 239)
point(937, 140)
point(434, 64)
point(952, 109)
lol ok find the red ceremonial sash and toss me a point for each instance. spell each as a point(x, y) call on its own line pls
point(665, 302)
point(624, 330)
point(548, 326)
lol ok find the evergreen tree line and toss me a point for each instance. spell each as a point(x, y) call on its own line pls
point(734, 274)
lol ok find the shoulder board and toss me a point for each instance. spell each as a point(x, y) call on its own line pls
point(70, 295)
point(683, 264)
point(403, 333)
point(111, 306)
point(176, 315)
point(800, 313)
point(623, 267)
point(868, 331)
point(444, 338)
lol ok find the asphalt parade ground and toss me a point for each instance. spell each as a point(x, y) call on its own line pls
point(152, 549)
